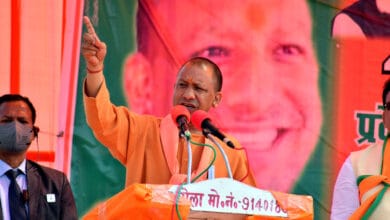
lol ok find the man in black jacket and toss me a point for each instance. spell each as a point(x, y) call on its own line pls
point(45, 193)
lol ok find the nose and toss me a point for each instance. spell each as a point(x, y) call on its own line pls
point(189, 93)
point(256, 92)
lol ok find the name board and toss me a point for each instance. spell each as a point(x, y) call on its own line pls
point(229, 196)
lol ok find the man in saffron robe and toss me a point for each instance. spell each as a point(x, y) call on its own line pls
point(148, 146)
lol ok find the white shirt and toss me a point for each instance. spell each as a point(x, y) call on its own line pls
point(4, 185)
point(345, 193)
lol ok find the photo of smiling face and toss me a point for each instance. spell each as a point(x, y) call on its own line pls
point(264, 49)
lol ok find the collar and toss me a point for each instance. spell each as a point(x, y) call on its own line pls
point(170, 140)
point(4, 167)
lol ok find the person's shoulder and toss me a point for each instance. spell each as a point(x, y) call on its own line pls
point(31, 165)
point(357, 7)
point(368, 151)
point(239, 151)
point(369, 148)
point(344, 26)
point(234, 140)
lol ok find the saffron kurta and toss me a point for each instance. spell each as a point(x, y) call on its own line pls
point(148, 146)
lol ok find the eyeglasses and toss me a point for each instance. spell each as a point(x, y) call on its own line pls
point(387, 106)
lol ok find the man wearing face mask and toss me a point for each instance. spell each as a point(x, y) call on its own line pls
point(39, 192)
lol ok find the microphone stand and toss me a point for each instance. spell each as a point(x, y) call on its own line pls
point(187, 138)
point(222, 152)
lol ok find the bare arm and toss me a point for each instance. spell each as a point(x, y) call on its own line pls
point(344, 26)
point(94, 52)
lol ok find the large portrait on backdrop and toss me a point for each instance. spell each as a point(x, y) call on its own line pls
point(271, 101)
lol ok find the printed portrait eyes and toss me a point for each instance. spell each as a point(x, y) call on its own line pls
point(281, 52)
point(288, 52)
point(213, 52)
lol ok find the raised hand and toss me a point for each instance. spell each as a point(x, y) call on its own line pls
point(93, 50)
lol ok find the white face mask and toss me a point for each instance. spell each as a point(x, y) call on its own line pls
point(15, 136)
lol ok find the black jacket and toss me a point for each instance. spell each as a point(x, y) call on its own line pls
point(49, 194)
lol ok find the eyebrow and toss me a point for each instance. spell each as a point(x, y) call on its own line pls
point(25, 118)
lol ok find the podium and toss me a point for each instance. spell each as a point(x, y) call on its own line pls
point(221, 198)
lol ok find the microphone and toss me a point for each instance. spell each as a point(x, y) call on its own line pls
point(181, 117)
point(201, 120)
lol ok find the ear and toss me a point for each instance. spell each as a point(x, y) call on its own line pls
point(137, 83)
point(217, 99)
point(35, 131)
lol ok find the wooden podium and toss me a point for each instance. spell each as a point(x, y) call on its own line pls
point(221, 198)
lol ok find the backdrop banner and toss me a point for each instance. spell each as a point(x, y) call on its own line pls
point(296, 97)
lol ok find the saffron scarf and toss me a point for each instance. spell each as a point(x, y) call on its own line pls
point(170, 141)
point(367, 182)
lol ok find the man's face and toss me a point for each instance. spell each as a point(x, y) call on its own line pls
point(195, 88)
point(15, 111)
point(271, 102)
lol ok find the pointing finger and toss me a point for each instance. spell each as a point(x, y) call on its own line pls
point(89, 25)
point(91, 30)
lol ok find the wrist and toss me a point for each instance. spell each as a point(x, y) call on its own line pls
point(95, 70)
